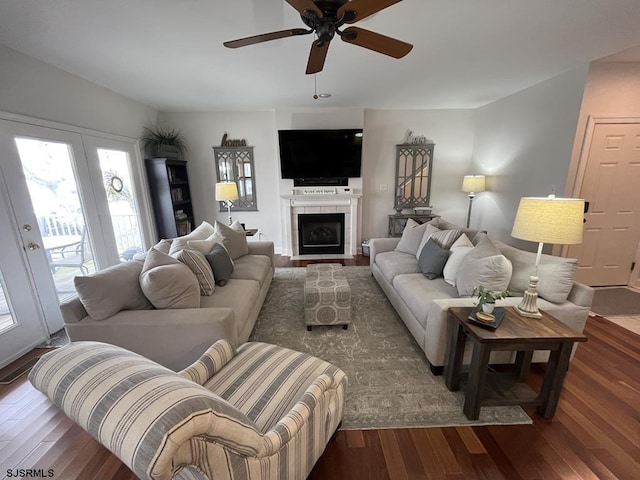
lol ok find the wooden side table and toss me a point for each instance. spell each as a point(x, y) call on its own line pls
point(516, 333)
point(398, 221)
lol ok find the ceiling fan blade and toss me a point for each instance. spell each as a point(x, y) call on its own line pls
point(265, 37)
point(374, 41)
point(303, 5)
point(364, 8)
point(317, 56)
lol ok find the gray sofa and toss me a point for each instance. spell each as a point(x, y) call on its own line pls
point(422, 303)
point(175, 337)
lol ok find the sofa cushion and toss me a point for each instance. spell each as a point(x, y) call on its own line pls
point(458, 250)
point(200, 267)
point(432, 259)
point(444, 238)
point(239, 295)
point(168, 283)
point(234, 239)
point(555, 274)
point(411, 237)
point(417, 292)
point(204, 246)
point(108, 291)
point(252, 267)
point(221, 264)
point(483, 265)
point(395, 263)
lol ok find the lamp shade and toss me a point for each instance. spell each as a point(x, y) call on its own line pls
point(549, 220)
point(473, 183)
point(226, 191)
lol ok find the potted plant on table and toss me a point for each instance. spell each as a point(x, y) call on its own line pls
point(487, 298)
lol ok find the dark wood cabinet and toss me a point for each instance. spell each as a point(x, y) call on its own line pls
point(170, 195)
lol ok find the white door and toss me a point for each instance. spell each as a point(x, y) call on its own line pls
point(21, 321)
point(611, 186)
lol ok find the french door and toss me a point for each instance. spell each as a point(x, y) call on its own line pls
point(65, 197)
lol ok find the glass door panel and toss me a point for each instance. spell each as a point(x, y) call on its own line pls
point(6, 317)
point(121, 197)
point(52, 186)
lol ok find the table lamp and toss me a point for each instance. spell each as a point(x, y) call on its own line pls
point(546, 220)
point(227, 192)
point(472, 184)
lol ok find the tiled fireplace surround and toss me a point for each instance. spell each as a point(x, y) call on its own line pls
point(346, 202)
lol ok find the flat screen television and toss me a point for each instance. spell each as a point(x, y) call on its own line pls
point(313, 154)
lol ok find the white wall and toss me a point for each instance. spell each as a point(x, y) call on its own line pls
point(523, 144)
point(451, 130)
point(203, 131)
point(36, 89)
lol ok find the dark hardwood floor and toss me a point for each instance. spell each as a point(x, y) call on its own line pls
point(595, 433)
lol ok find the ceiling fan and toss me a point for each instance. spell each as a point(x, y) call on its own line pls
point(324, 18)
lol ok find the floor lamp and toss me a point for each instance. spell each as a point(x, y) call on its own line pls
point(472, 184)
point(227, 192)
point(546, 220)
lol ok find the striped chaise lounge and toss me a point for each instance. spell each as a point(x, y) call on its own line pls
point(261, 412)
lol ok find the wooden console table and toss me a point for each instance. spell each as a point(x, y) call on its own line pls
point(516, 333)
point(397, 221)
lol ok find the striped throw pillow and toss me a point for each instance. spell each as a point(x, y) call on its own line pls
point(200, 267)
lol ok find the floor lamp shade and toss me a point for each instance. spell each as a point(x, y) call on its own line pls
point(546, 220)
point(227, 192)
point(472, 184)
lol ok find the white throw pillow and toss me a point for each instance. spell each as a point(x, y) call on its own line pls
point(168, 283)
point(234, 239)
point(483, 265)
point(411, 237)
point(459, 249)
point(205, 246)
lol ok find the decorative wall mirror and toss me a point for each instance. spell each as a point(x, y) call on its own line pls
point(414, 164)
point(235, 164)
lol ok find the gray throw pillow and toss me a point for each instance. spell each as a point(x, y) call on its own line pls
point(221, 264)
point(432, 259)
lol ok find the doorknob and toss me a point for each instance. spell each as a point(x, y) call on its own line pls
point(26, 227)
point(33, 246)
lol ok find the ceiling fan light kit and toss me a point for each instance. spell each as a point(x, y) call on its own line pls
point(325, 19)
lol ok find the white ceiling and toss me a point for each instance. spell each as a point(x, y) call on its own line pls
point(168, 54)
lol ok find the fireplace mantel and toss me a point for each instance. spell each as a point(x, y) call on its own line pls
point(343, 202)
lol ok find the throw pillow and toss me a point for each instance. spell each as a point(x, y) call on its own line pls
point(444, 238)
point(205, 246)
point(168, 283)
point(411, 237)
point(555, 274)
point(458, 250)
point(432, 259)
point(234, 239)
point(202, 231)
point(221, 264)
point(200, 268)
point(111, 290)
point(483, 265)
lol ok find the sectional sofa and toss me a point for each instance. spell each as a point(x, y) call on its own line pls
point(468, 258)
point(174, 302)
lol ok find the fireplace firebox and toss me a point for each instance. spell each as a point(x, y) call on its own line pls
point(320, 233)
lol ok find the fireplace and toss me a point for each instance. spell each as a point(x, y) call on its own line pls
point(321, 233)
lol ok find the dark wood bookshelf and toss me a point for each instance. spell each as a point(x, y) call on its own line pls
point(170, 196)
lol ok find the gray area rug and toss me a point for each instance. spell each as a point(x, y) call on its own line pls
point(390, 384)
point(615, 301)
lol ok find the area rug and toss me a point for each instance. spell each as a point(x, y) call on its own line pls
point(615, 301)
point(390, 384)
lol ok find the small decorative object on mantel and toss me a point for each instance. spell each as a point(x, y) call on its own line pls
point(228, 142)
point(487, 298)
